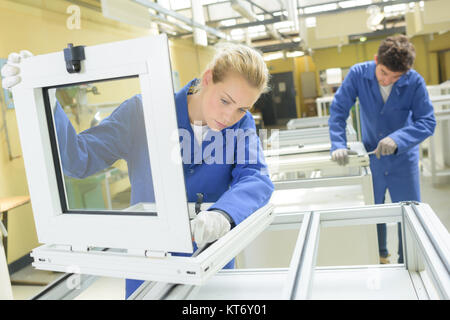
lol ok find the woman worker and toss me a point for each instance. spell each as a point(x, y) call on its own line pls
point(218, 102)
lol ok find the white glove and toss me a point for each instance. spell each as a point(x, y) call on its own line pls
point(385, 147)
point(341, 156)
point(209, 226)
point(11, 71)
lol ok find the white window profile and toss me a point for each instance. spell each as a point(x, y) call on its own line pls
point(165, 227)
point(136, 242)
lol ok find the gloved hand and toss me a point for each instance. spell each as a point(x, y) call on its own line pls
point(11, 70)
point(385, 147)
point(341, 155)
point(209, 226)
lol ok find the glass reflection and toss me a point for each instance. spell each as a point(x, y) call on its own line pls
point(100, 136)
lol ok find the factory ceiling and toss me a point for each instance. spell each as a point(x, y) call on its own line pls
point(271, 25)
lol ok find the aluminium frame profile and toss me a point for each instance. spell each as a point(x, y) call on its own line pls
point(428, 239)
point(289, 159)
point(311, 122)
point(426, 234)
point(292, 137)
point(300, 275)
point(423, 224)
point(174, 269)
point(441, 116)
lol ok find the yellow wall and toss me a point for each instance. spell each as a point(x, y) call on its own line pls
point(426, 63)
point(446, 66)
point(40, 26)
point(189, 60)
point(296, 66)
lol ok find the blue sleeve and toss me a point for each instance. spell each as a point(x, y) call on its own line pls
point(251, 187)
point(423, 121)
point(343, 101)
point(98, 147)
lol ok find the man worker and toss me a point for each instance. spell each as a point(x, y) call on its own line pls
point(396, 116)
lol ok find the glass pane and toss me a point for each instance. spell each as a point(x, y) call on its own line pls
point(360, 245)
point(100, 140)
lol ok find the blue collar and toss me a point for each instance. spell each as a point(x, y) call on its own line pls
point(182, 106)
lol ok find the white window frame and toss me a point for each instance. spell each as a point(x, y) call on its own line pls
point(147, 58)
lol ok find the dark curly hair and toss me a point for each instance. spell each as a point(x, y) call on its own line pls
point(396, 53)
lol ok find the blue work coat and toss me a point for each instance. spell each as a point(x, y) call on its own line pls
point(407, 117)
point(237, 187)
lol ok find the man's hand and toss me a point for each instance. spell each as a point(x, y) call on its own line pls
point(341, 156)
point(209, 226)
point(385, 147)
point(11, 70)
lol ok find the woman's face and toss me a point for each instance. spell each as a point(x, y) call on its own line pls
point(225, 103)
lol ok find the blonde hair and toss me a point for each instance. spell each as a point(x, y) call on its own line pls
point(243, 60)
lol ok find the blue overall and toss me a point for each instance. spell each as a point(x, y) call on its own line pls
point(237, 187)
point(407, 117)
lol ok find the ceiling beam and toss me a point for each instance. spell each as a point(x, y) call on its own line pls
point(178, 16)
point(279, 46)
point(252, 24)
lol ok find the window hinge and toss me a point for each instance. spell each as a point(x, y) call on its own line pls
point(148, 253)
point(78, 248)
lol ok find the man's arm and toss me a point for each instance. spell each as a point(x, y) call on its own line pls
point(423, 124)
point(344, 99)
point(98, 147)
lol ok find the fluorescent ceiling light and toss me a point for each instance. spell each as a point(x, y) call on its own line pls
point(179, 4)
point(228, 22)
point(237, 37)
point(273, 56)
point(310, 22)
point(279, 13)
point(321, 8)
point(295, 54)
point(354, 3)
point(237, 34)
point(395, 8)
point(256, 29)
point(205, 2)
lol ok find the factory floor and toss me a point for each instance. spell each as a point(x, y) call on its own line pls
point(112, 288)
